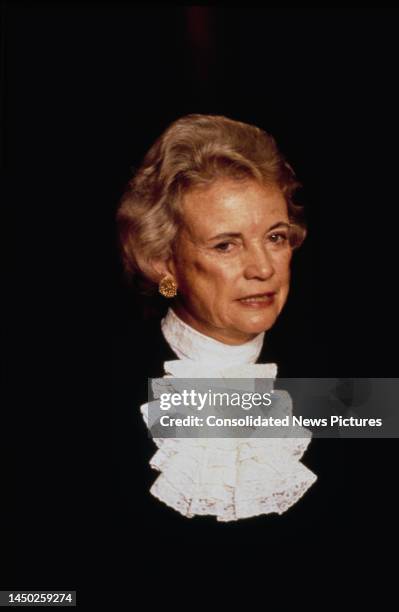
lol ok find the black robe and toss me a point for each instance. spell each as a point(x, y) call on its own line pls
point(137, 537)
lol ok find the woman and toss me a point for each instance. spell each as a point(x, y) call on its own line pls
point(209, 222)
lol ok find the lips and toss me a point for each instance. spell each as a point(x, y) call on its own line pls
point(258, 297)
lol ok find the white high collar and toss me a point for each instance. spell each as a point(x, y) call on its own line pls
point(188, 343)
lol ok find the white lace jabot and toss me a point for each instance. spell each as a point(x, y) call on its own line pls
point(231, 478)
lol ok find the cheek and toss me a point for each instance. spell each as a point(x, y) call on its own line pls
point(284, 270)
point(206, 287)
point(283, 275)
point(198, 275)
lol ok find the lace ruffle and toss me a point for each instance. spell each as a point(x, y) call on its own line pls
point(231, 479)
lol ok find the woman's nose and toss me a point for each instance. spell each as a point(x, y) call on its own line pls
point(258, 263)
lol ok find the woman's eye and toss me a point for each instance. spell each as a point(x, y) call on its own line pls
point(279, 238)
point(224, 246)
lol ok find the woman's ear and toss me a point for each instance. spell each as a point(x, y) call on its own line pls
point(159, 268)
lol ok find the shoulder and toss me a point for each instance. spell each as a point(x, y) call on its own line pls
point(297, 355)
point(139, 350)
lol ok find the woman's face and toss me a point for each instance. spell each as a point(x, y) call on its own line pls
point(233, 246)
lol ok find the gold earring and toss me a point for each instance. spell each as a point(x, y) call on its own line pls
point(168, 287)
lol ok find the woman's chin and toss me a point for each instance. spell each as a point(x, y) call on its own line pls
point(250, 329)
point(256, 322)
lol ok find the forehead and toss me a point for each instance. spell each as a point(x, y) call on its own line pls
point(232, 206)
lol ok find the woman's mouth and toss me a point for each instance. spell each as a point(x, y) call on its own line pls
point(260, 300)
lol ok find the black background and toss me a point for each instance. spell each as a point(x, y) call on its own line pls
point(88, 87)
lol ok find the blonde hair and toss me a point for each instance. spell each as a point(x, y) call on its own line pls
point(193, 152)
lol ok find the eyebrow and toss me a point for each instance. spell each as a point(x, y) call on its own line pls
point(238, 234)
